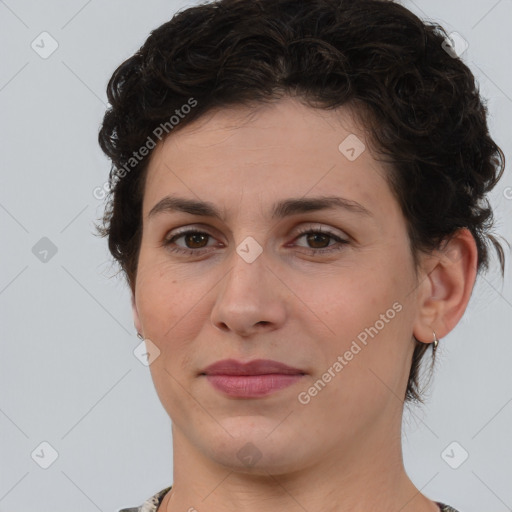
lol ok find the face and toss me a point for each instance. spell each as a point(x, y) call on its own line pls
point(269, 272)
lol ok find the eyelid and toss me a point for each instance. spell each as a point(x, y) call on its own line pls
point(312, 226)
point(302, 229)
point(212, 231)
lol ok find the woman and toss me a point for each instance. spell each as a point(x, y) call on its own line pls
point(298, 205)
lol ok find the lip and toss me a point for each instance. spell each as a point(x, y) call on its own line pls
point(254, 379)
point(254, 367)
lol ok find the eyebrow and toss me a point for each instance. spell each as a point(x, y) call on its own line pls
point(281, 209)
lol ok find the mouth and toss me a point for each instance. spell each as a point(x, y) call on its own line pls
point(254, 379)
point(255, 367)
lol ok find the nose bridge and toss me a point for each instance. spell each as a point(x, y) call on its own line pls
point(247, 296)
point(247, 276)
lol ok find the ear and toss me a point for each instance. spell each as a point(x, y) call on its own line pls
point(136, 319)
point(445, 290)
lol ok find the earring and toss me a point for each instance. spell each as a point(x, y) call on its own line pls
point(139, 335)
point(436, 341)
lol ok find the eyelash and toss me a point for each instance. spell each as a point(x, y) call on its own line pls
point(306, 231)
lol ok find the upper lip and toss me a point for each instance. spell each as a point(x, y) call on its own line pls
point(255, 367)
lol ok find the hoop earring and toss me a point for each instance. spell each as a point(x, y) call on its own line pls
point(436, 341)
point(139, 335)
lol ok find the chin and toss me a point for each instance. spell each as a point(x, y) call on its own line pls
point(253, 461)
point(256, 448)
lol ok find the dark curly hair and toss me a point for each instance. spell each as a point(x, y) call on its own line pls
point(419, 103)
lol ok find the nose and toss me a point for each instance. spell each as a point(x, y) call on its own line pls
point(250, 298)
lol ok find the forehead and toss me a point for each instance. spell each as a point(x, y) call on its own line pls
point(238, 155)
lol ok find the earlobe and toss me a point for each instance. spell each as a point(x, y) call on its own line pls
point(445, 290)
point(136, 319)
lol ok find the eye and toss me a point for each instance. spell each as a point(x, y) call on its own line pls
point(319, 237)
point(195, 242)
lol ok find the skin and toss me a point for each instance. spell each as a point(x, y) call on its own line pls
point(342, 450)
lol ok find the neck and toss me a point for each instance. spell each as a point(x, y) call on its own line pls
point(370, 476)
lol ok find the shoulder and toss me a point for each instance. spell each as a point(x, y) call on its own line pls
point(446, 508)
point(151, 504)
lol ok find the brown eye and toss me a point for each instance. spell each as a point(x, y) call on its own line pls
point(195, 240)
point(318, 240)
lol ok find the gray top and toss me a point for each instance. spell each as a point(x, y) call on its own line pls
point(152, 504)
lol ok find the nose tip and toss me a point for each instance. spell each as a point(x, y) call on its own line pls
point(248, 300)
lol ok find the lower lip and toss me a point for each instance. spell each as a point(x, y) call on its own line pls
point(252, 386)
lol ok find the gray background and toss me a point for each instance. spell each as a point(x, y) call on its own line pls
point(68, 375)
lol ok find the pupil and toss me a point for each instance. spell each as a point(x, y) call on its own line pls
point(195, 236)
point(316, 236)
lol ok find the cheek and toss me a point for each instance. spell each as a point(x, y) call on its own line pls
point(365, 319)
point(346, 299)
point(169, 307)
